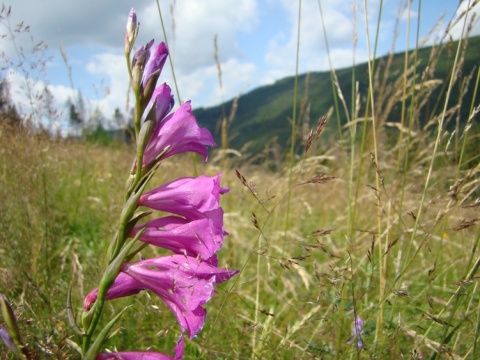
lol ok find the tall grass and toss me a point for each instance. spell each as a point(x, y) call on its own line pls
point(382, 224)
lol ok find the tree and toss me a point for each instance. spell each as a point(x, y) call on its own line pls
point(8, 112)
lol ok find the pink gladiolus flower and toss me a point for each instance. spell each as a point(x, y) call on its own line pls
point(124, 285)
point(179, 132)
point(144, 355)
point(195, 238)
point(193, 198)
point(184, 283)
point(134, 355)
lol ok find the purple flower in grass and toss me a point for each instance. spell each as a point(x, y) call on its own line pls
point(7, 339)
point(178, 132)
point(192, 198)
point(195, 238)
point(184, 283)
point(357, 331)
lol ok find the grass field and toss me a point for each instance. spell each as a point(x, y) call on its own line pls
point(378, 223)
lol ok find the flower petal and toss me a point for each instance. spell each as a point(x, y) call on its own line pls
point(155, 62)
point(162, 98)
point(195, 238)
point(145, 355)
point(185, 283)
point(143, 53)
point(180, 133)
point(193, 198)
point(123, 285)
point(134, 355)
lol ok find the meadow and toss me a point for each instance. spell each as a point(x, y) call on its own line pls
point(376, 221)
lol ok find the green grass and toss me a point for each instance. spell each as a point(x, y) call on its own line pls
point(392, 238)
point(59, 211)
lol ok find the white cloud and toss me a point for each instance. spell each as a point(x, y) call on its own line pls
point(72, 22)
point(407, 13)
point(196, 24)
point(203, 88)
point(467, 19)
point(338, 18)
point(115, 96)
point(30, 98)
point(101, 23)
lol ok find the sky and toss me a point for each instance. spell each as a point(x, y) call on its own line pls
point(257, 43)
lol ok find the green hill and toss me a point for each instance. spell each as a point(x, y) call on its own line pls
point(263, 114)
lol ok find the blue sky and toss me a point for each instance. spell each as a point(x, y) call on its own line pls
point(257, 42)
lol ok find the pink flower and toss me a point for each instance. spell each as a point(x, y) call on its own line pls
point(184, 283)
point(193, 198)
point(134, 355)
point(195, 238)
point(178, 132)
point(144, 355)
point(124, 285)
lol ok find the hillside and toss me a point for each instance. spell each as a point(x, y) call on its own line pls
point(263, 114)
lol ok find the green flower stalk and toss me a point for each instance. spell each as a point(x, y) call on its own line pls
point(194, 232)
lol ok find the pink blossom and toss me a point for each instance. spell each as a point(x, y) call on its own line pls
point(184, 283)
point(144, 355)
point(134, 355)
point(193, 198)
point(195, 238)
point(124, 285)
point(177, 133)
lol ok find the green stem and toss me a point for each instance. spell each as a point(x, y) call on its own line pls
point(107, 281)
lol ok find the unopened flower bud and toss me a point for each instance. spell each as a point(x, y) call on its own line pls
point(138, 63)
point(131, 30)
point(153, 67)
